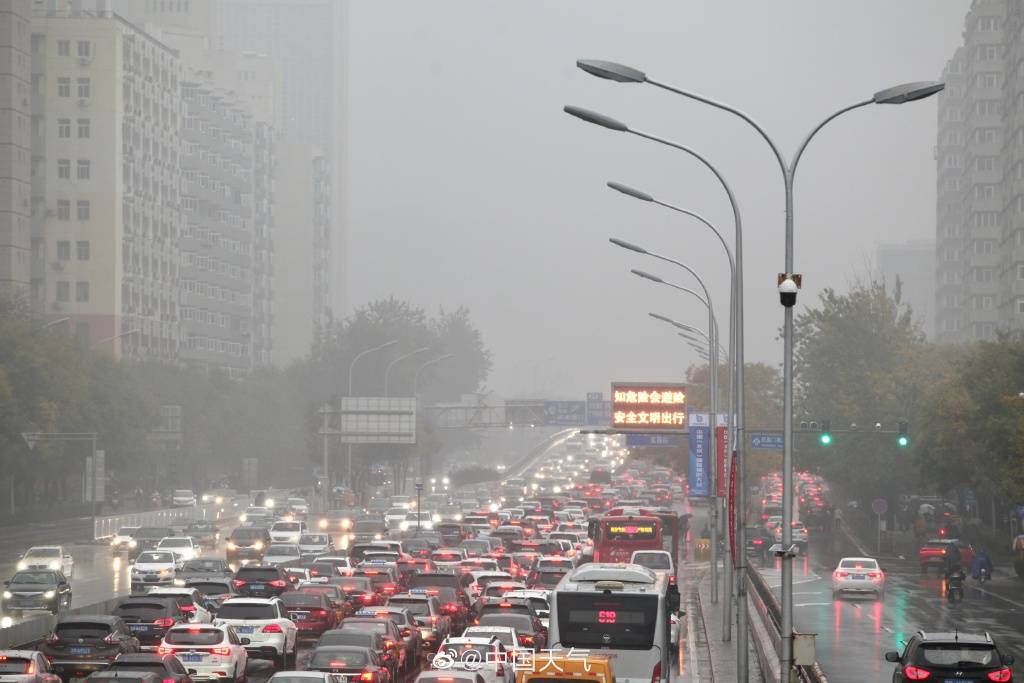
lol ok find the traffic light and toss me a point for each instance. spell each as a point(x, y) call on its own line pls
point(825, 437)
point(903, 440)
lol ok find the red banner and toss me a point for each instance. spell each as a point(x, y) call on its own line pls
point(721, 453)
point(732, 510)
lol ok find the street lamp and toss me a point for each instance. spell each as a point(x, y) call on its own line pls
point(351, 369)
point(387, 371)
point(420, 369)
point(116, 336)
point(899, 94)
point(58, 321)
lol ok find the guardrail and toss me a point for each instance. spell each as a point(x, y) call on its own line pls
point(34, 629)
point(106, 527)
point(766, 624)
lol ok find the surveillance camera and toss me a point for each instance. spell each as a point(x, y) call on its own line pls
point(787, 292)
point(878, 426)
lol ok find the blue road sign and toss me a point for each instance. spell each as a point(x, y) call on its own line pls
point(565, 413)
point(599, 411)
point(652, 440)
point(700, 455)
point(767, 440)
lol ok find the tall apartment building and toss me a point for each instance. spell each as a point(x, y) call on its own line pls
point(106, 176)
point(980, 230)
point(15, 147)
point(913, 265)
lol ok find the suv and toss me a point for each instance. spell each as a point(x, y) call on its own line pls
point(148, 618)
point(247, 543)
point(951, 656)
point(83, 643)
point(168, 667)
point(260, 581)
point(36, 590)
point(426, 610)
point(265, 622)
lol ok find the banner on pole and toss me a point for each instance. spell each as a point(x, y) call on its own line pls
point(721, 452)
point(700, 455)
point(732, 509)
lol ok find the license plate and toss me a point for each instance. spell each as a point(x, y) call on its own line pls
point(191, 658)
point(138, 627)
point(244, 629)
point(81, 650)
point(298, 616)
point(257, 586)
point(859, 577)
point(956, 680)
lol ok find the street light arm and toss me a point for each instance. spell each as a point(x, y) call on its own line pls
point(814, 131)
point(387, 370)
point(709, 224)
point(352, 365)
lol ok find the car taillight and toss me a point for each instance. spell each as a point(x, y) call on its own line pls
point(272, 628)
point(841, 575)
point(111, 639)
point(168, 680)
point(525, 639)
point(388, 588)
point(915, 673)
point(318, 611)
point(188, 609)
point(1001, 676)
point(164, 650)
point(164, 622)
point(367, 676)
point(758, 541)
point(656, 673)
point(875, 575)
point(279, 583)
point(450, 607)
point(224, 651)
point(238, 583)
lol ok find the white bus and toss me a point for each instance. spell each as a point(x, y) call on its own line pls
point(616, 609)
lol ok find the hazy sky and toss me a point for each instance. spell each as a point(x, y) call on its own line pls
point(469, 185)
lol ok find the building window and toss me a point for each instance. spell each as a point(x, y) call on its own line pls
point(82, 292)
point(64, 250)
point(83, 128)
point(63, 87)
point(63, 291)
point(64, 169)
point(985, 164)
point(63, 210)
point(986, 303)
point(63, 48)
point(984, 191)
point(64, 128)
point(987, 53)
point(84, 169)
point(82, 248)
point(1020, 306)
point(84, 48)
point(987, 80)
point(83, 211)
point(988, 24)
point(85, 88)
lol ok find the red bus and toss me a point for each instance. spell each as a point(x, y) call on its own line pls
point(617, 536)
point(673, 533)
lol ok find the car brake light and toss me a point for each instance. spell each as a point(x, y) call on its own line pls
point(1001, 676)
point(656, 673)
point(366, 676)
point(164, 622)
point(841, 575)
point(389, 643)
point(238, 583)
point(915, 673)
point(875, 575)
point(450, 607)
point(279, 583)
point(164, 650)
point(188, 608)
point(272, 628)
point(525, 639)
point(168, 680)
point(224, 651)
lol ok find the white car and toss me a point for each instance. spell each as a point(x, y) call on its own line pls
point(298, 507)
point(540, 600)
point(799, 535)
point(212, 652)
point(26, 666)
point(655, 560)
point(183, 498)
point(315, 544)
point(394, 517)
point(858, 575)
point(506, 634)
point(484, 656)
point(287, 532)
point(426, 521)
point(265, 622)
point(123, 540)
point(282, 553)
point(192, 601)
point(153, 568)
point(185, 547)
point(52, 557)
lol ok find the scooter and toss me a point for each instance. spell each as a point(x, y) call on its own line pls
point(955, 588)
point(983, 575)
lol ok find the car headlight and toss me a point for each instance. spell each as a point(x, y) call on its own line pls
point(232, 546)
point(115, 542)
point(377, 537)
point(458, 517)
point(258, 545)
point(179, 582)
point(243, 517)
point(322, 524)
point(7, 595)
point(269, 503)
point(404, 526)
point(132, 543)
point(49, 595)
point(165, 572)
point(54, 565)
point(206, 498)
point(435, 517)
point(346, 524)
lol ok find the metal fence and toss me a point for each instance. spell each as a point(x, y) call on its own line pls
point(106, 527)
point(765, 609)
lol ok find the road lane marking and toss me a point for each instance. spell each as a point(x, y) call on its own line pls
point(1000, 597)
point(812, 604)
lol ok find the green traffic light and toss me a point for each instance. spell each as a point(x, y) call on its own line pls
point(825, 439)
point(903, 441)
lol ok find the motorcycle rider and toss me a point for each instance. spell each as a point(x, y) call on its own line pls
point(982, 561)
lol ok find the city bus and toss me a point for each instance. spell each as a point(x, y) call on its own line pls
point(617, 536)
point(673, 529)
point(618, 610)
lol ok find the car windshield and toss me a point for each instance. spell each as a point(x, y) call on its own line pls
point(369, 526)
point(957, 655)
point(247, 534)
point(40, 578)
point(858, 564)
point(175, 543)
point(246, 611)
point(520, 622)
point(155, 558)
point(257, 573)
point(194, 635)
point(314, 539)
point(183, 493)
point(43, 552)
point(127, 530)
point(302, 599)
point(348, 637)
point(417, 608)
point(142, 608)
point(287, 526)
point(15, 665)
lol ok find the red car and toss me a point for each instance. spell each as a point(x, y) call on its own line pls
point(934, 552)
point(312, 613)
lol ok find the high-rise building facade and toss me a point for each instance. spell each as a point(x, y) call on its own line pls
point(912, 265)
point(15, 147)
point(106, 207)
point(980, 229)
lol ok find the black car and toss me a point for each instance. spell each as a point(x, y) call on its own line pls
point(948, 656)
point(204, 531)
point(123, 677)
point(759, 540)
point(261, 581)
point(147, 537)
point(361, 662)
point(36, 590)
point(216, 590)
point(83, 643)
point(202, 568)
point(168, 667)
point(148, 617)
point(247, 543)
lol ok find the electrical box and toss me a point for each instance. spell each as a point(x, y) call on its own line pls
point(803, 649)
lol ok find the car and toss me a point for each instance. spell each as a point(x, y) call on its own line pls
point(799, 535)
point(215, 590)
point(484, 656)
point(371, 640)
point(481, 579)
point(247, 544)
point(287, 532)
point(407, 628)
point(312, 613)
point(83, 643)
point(358, 589)
point(395, 516)
point(281, 554)
point(392, 638)
point(36, 590)
point(205, 568)
point(146, 537)
point(182, 498)
point(52, 557)
point(374, 556)
point(148, 618)
point(478, 564)
point(447, 676)
point(298, 507)
point(265, 622)
point(26, 666)
point(858, 575)
point(204, 532)
point(312, 544)
point(951, 656)
point(335, 596)
point(307, 677)
point(364, 530)
point(546, 579)
point(934, 553)
point(758, 542)
point(538, 600)
point(416, 521)
point(506, 634)
point(193, 603)
point(655, 560)
point(383, 577)
point(338, 521)
point(260, 581)
point(122, 677)
point(124, 540)
point(357, 663)
point(153, 568)
point(185, 547)
point(168, 667)
point(434, 624)
point(212, 652)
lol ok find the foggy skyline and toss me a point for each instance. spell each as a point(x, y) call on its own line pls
point(469, 186)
